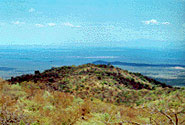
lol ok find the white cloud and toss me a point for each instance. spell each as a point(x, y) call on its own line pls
point(18, 23)
point(31, 10)
point(155, 22)
point(152, 21)
point(70, 25)
point(165, 23)
point(52, 24)
point(39, 25)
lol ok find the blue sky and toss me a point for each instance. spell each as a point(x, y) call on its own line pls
point(92, 22)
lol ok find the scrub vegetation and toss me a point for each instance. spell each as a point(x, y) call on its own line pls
point(89, 94)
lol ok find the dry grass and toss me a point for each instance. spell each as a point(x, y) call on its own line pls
point(88, 96)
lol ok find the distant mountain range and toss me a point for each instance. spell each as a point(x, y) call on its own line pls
point(137, 64)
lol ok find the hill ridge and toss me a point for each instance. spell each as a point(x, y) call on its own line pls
point(136, 80)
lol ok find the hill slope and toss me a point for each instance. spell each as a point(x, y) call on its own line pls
point(91, 74)
point(89, 94)
point(99, 81)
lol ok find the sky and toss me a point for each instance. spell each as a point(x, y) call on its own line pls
point(129, 23)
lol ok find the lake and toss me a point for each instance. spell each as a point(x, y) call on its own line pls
point(16, 61)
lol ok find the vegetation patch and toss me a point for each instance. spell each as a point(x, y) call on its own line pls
point(89, 94)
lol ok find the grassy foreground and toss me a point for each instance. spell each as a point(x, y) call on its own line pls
point(89, 94)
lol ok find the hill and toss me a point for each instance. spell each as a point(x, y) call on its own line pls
point(93, 74)
point(100, 81)
point(89, 94)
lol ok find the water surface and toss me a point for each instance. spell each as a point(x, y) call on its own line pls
point(18, 61)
